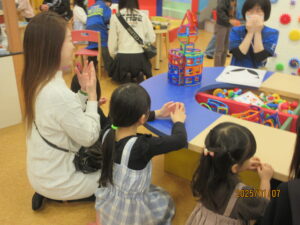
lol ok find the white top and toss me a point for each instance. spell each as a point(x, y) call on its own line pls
point(80, 18)
point(60, 118)
point(25, 8)
point(120, 41)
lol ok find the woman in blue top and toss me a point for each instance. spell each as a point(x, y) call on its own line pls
point(253, 43)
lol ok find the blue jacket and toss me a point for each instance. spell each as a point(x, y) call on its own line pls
point(237, 35)
point(98, 19)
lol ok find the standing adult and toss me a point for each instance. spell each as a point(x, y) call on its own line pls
point(225, 20)
point(61, 7)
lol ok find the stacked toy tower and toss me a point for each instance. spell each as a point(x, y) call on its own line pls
point(186, 63)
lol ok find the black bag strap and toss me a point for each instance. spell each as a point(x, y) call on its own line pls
point(49, 143)
point(131, 31)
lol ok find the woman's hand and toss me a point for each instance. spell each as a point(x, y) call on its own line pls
point(179, 113)
point(91, 82)
point(255, 24)
point(165, 110)
point(251, 25)
point(82, 75)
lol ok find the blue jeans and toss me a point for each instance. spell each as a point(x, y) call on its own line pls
point(210, 50)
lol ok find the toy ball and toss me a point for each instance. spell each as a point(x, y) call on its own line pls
point(285, 19)
point(279, 67)
point(270, 98)
point(294, 104)
point(230, 93)
point(294, 63)
point(294, 35)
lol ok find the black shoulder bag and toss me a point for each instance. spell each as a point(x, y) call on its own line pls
point(149, 49)
point(87, 159)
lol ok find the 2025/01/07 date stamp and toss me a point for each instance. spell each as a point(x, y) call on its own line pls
point(257, 193)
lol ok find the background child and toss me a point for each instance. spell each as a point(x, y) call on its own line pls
point(25, 9)
point(229, 150)
point(130, 63)
point(285, 208)
point(98, 19)
point(80, 16)
point(252, 44)
point(126, 195)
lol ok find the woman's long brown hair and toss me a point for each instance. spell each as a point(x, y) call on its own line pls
point(43, 41)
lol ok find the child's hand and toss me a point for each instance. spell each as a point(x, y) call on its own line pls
point(179, 113)
point(102, 101)
point(44, 7)
point(265, 171)
point(254, 163)
point(250, 164)
point(165, 111)
point(235, 22)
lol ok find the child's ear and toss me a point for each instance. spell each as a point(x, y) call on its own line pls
point(143, 119)
point(235, 168)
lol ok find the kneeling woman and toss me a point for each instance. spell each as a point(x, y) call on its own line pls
point(55, 116)
point(253, 43)
point(130, 62)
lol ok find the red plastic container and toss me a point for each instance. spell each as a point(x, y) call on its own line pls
point(238, 107)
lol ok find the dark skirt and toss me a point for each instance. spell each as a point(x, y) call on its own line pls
point(132, 64)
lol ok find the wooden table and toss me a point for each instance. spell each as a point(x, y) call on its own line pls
point(159, 35)
point(274, 146)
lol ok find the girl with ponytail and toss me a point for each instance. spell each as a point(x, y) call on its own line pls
point(125, 195)
point(229, 149)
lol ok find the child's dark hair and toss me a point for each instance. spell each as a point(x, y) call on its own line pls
point(129, 4)
point(80, 3)
point(213, 180)
point(265, 5)
point(128, 103)
point(295, 164)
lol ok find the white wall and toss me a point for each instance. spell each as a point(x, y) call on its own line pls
point(10, 111)
point(286, 49)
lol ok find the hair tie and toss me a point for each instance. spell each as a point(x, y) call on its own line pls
point(114, 127)
point(208, 153)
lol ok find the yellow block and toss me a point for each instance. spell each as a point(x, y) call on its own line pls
point(182, 163)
